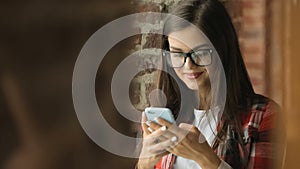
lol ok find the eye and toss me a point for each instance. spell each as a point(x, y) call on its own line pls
point(201, 53)
point(176, 54)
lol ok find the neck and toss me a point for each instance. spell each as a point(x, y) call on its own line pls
point(205, 99)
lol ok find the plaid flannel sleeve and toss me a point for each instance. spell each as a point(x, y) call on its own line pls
point(262, 151)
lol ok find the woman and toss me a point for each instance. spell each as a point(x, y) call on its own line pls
point(234, 131)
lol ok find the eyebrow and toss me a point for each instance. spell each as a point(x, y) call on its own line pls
point(193, 49)
point(174, 48)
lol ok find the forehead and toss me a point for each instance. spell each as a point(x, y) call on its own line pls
point(187, 38)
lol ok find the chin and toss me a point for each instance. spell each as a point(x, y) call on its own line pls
point(192, 86)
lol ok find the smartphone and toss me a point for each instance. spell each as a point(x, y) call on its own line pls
point(164, 113)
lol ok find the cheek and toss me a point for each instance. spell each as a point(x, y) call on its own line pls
point(179, 73)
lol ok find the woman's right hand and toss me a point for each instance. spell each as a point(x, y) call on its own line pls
point(154, 144)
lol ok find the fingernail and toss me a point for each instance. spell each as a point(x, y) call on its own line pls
point(150, 129)
point(148, 123)
point(163, 128)
point(174, 139)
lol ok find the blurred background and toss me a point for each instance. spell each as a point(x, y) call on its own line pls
point(39, 44)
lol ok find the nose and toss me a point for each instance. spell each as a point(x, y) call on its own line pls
point(189, 63)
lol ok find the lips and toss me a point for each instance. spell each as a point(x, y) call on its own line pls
point(193, 75)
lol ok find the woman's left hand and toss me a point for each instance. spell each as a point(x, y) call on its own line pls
point(191, 144)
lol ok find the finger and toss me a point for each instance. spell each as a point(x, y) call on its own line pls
point(150, 127)
point(171, 127)
point(146, 132)
point(158, 136)
point(153, 125)
point(162, 132)
point(182, 129)
point(172, 150)
point(162, 146)
point(164, 137)
point(167, 134)
point(144, 118)
point(144, 125)
point(172, 147)
point(164, 122)
point(179, 132)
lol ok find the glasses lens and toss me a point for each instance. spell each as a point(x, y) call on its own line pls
point(202, 57)
point(176, 59)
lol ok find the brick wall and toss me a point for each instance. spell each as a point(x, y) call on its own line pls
point(253, 42)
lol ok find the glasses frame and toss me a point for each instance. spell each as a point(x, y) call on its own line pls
point(167, 54)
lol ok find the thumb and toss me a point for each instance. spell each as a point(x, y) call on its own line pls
point(185, 126)
point(194, 129)
point(144, 118)
point(189, 128)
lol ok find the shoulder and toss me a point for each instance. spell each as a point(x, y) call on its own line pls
point(260, 121)
point(270, 113)
point(262, 114)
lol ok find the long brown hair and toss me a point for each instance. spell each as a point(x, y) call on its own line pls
point(212, 19)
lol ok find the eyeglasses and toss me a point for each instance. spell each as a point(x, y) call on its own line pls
point(200, 57)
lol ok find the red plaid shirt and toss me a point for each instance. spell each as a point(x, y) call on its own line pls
point(258, 151)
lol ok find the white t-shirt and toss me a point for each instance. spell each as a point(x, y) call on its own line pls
point(207, 125)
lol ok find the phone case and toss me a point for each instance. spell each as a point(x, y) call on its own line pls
point(164, 113)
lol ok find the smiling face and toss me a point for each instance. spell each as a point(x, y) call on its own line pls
point(187, 40)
